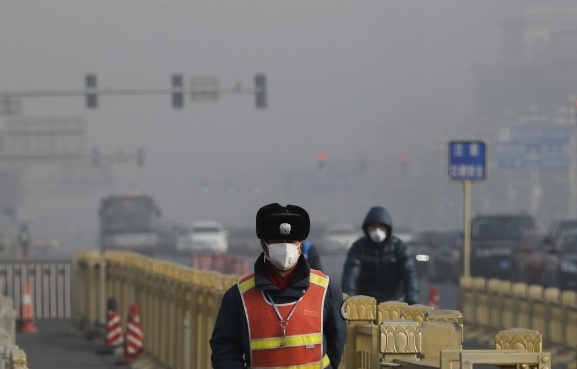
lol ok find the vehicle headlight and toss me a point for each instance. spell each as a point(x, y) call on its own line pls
point(568, 266)
point(422, 257)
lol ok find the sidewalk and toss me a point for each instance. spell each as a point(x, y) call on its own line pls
point(56, 345)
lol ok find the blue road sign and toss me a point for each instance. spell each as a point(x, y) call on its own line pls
point(467, 160)
point(534, 147)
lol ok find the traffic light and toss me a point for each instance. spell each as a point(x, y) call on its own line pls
point(404, 159)
point(91, 85)
point(321, 160)
point(177, 91)
point(260, 91)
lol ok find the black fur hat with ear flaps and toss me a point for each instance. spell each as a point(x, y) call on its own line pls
point(277, 222)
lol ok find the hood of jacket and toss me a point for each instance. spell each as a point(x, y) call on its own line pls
point(378, 214)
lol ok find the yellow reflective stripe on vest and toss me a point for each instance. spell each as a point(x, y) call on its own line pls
point(300, 340)
point(326, 362)
point(246, 285)
point(250, 283)
point(321, 281)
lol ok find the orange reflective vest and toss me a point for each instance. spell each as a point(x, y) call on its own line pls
point(301, 346)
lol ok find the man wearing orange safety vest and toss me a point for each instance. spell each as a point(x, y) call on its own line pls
point(285, 314)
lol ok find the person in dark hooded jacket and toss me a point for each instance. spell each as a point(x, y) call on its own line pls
point(380, 264)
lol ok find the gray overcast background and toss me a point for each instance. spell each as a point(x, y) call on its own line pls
point(347, 78)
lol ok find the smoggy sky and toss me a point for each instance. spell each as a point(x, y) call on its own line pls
point(375, 78)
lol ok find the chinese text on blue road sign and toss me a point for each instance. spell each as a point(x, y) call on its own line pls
point(467, 160)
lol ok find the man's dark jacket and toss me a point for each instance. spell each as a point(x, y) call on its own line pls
point(230, 342)
point(385, 270)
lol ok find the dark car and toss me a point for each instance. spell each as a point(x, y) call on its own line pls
point(560, 269)
point(528, 258)
point(493, 238)
point(557, 227)
point(421, 247)
point(441, 265)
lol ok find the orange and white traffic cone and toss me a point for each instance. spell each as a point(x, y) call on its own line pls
point(26, 321)
point(134, 338)
point(113, 337)
point(434, 297)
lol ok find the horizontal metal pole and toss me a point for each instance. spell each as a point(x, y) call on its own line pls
point(128, 92)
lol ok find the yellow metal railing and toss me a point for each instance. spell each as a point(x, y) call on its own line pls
point(178, 307)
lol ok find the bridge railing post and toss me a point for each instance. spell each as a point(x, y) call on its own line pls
point(569, 304)
point(358, 310)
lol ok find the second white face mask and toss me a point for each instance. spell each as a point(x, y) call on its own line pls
point(378, 235)
point(283, 255)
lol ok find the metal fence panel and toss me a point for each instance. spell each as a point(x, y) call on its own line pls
point(49, 283)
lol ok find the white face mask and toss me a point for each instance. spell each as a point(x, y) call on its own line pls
point(283, 255)
point(378, 235)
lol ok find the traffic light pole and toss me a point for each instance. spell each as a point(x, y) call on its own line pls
point(92, 92)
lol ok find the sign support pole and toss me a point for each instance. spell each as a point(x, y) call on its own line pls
point(467, 163)
point(467, 228)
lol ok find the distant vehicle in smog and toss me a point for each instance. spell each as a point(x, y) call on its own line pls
point(528, 258)
point(339, 237)
point(181, 239)
point(129, 222)
point(493, 237)
point(204, 236)
point(560, 270)
point(441, 265)
point(421, 247)
point(556, 227)
point(167, 236)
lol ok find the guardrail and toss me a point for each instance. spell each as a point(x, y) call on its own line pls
point(179, 305)
point(49, 282)
point(489, 305)
point(11, 356)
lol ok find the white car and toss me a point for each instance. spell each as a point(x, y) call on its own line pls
point(206, 236)
point(340, 237)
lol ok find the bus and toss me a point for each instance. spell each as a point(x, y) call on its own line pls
point(129, 222)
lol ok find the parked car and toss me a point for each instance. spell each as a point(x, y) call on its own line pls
point(339, 237)
point(493, 237)
point(203, 236)
point(557, 227)
point(441, 265)
point(528, 258)
point(560, 268)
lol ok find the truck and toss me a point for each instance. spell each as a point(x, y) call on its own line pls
point(129, 222)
